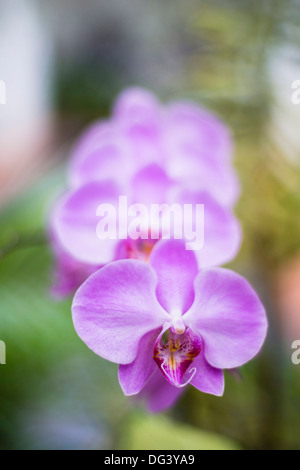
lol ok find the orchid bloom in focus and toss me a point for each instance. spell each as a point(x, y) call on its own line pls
point(169, 324)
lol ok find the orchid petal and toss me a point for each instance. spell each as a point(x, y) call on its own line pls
point(222, 232)
point(116, 307)
point(191, 126)
point(159, 394)
point(133, 377)
point(150, 185)
point(110, 159)
point(176, 269)
point(75, 221)
point(228, 316)
point(69, 273)
point(207, 379)
point(138, 114)
point(136, 106)
point(90, 139)
point(201, 173)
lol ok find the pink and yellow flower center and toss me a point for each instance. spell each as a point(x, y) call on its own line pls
point(139, 249)
point(174, 353)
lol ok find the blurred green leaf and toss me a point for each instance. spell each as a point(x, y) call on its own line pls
point(50, 374)
point(150, 432)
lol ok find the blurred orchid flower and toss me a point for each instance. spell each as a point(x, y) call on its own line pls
point(168, 324)
point(191, 145)
point(69, 273)
point(152, 154)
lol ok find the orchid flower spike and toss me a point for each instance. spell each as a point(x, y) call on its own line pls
point(178, 153)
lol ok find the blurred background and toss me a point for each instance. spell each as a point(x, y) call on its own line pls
point(63, 63)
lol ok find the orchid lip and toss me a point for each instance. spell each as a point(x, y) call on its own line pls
point(191, 371)
point(174, 353)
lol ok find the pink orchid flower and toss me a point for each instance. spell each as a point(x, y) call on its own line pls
point(167, 324)
point(191, 145)
point(153, 154)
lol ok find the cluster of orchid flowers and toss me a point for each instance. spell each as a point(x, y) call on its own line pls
point(167, 315)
